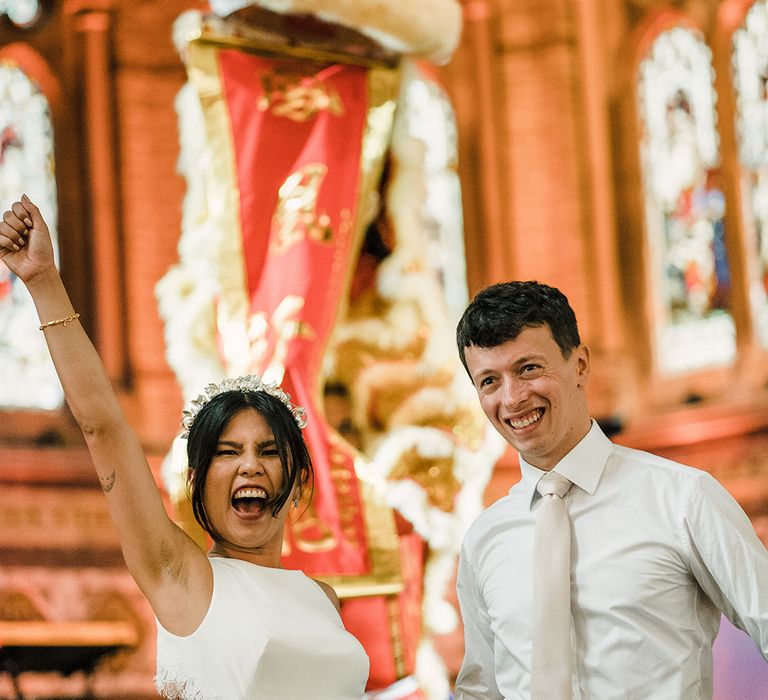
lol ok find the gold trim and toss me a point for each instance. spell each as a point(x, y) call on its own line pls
point(383, 90)
point(398, 653)
point(233, 308)
point(360, 586)
point(383, 543)
point(265, 47)
point(386, 577)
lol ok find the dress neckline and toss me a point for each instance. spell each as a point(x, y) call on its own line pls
point(261, 567)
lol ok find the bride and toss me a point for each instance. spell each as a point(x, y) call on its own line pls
point(231, 623)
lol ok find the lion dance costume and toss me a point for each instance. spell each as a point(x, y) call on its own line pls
point(321, 248)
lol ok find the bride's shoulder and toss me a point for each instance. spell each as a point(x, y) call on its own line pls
point(330, 592)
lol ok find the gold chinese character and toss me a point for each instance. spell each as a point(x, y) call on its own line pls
point(284, 326)
point(298, 97)
point(296, 216)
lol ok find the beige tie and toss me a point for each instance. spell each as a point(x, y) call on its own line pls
point(551, 656)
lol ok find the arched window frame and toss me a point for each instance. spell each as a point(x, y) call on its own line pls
point(730, 18)
point(53, 426)
point(750, 367)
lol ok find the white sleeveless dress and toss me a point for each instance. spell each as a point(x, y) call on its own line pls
point(269, 634)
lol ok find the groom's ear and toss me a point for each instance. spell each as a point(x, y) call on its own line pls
point(582, 365)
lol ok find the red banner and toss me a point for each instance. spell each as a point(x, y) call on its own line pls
point(297, 138)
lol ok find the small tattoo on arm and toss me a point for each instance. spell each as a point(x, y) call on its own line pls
point(107, 482)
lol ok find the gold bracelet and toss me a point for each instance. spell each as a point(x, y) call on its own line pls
point(62, 321)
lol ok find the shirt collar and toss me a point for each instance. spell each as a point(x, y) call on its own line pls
point(583, 465)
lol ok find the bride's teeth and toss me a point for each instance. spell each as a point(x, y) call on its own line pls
point(251, 493)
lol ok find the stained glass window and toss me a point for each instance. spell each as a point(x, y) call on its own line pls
point(684, 205)
point(27, 377)
point(22, 13)
point(750, 63)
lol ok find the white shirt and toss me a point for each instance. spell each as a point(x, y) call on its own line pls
point(658, 550)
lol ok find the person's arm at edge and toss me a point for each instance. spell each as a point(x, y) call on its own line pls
point(162, 559)
point(727, 558)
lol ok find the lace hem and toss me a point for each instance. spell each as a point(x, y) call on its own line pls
point(176, 683)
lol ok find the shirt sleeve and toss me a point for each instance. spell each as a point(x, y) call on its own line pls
point(727, 558)
point(477, 677)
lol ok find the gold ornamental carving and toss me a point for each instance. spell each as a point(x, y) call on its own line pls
point(433, 474)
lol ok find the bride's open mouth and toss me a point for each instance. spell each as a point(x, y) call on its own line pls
point(250, 501)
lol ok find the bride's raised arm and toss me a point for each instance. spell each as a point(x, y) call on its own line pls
point(170, 569)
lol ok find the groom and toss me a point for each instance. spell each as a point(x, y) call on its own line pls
point(657, 549)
